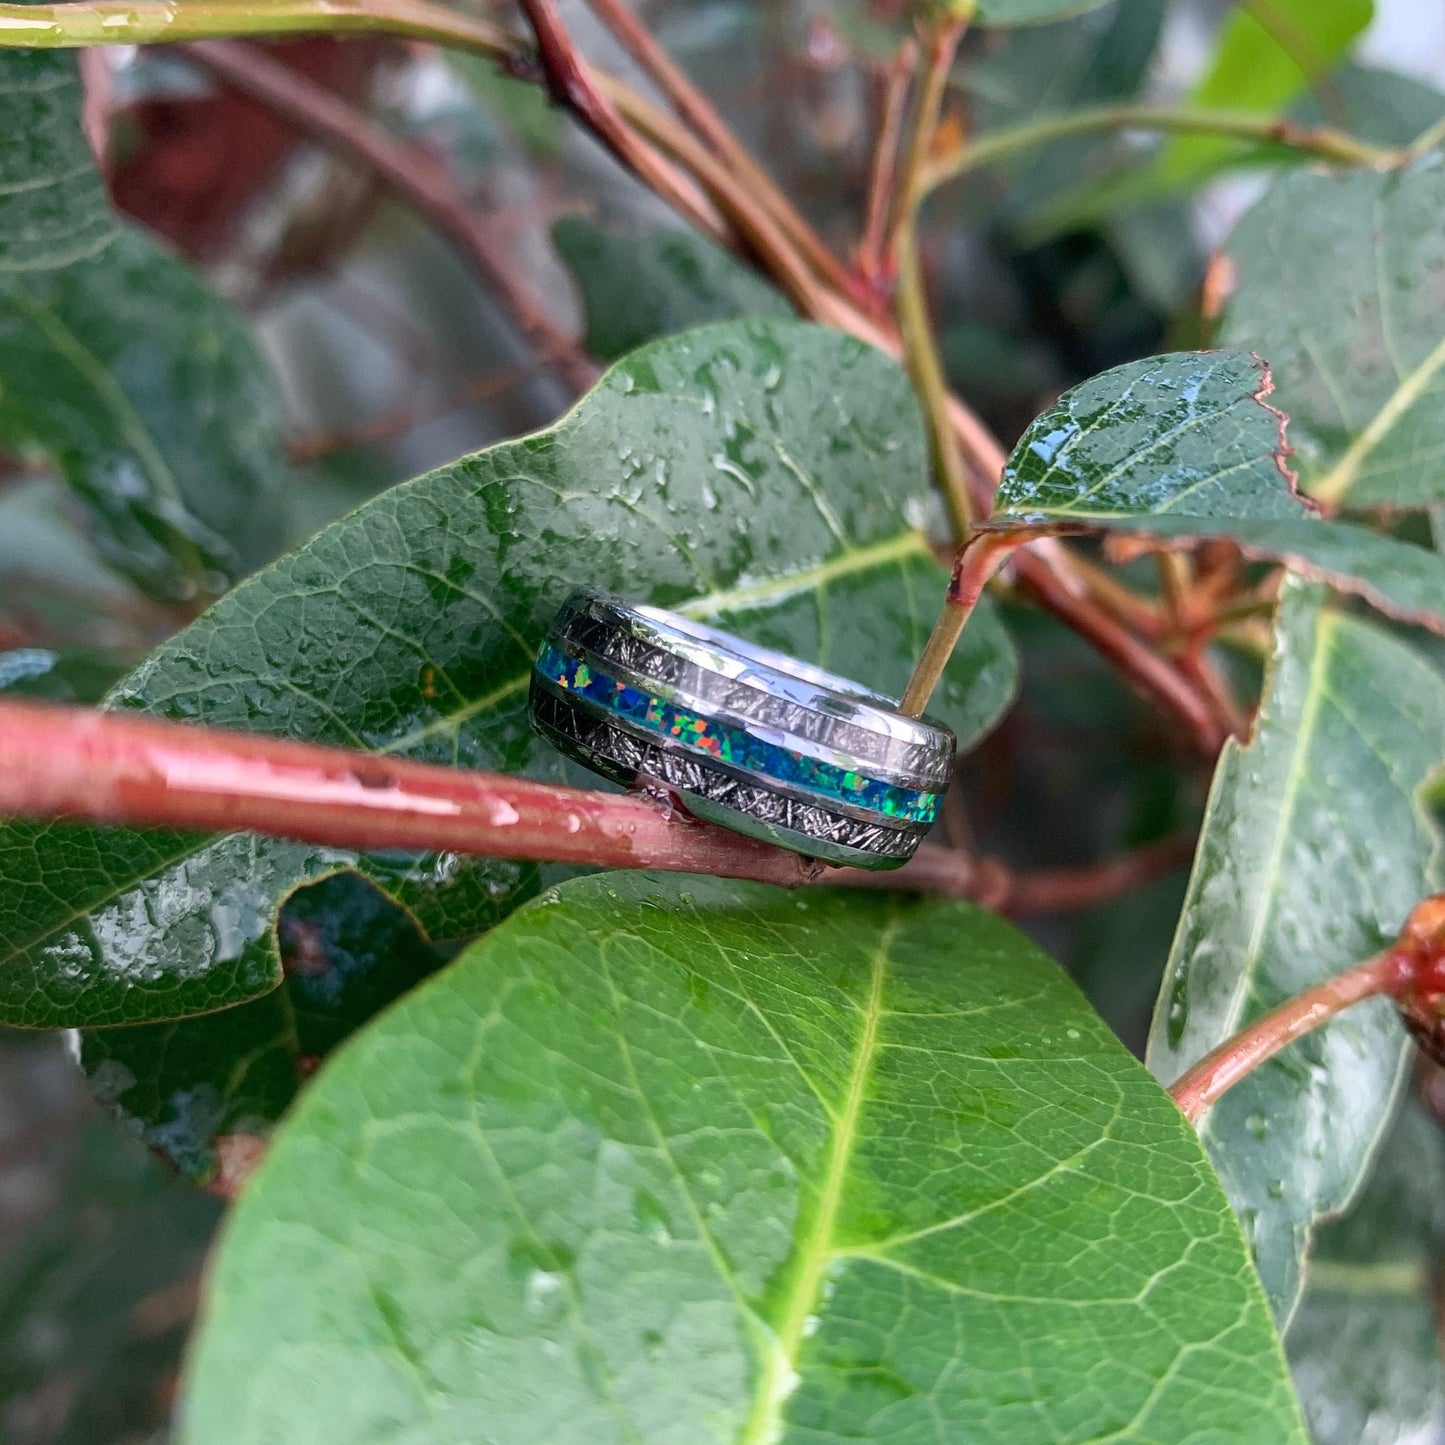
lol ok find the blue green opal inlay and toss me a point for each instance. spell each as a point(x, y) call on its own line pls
point(731, 744)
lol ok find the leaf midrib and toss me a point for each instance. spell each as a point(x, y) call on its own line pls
point(780, 1375)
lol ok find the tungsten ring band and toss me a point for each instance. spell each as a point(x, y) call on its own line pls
point(743, 736)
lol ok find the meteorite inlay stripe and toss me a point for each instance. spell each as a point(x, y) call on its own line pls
point(732, 745)
point(624, 756)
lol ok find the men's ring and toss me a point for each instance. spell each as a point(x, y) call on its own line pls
point(743, 736)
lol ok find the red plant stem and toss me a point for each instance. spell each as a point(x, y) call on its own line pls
point(975, 565)
point(113, 767)
point(570, 80)
point(698, 112)
point(119, 768)
point(1225, 1066)
point(413, 174)
point(954, 874)
point(873, 264)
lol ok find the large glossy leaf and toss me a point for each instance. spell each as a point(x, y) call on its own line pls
point(118, 361)
point(672, 1161)
point(636, 288)
point(1363, 1344)
point(769, 475)
point(1315, 848)
point(1341, 284)
point(1185, 446)
point(346, 952)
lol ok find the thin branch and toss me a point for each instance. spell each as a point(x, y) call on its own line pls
point(1045, 566)
point(698, 111)
point(976, 564)
point(1018, 894)
point(571, 82)
point(118, 768)
point(410, 172)
point(1432, 138)
point(1245, 1051)
point(1411, 972)
point(873, 262)
point(920, 344)
point(1323, 142)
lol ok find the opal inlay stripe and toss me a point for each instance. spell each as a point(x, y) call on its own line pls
point(731, 744)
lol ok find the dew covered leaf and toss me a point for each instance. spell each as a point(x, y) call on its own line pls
point(1341, 284)
point(1315, 848)
point(676, 1160)
point(118, 362)
point(636, 288)
point(1363, 1345)
point(346, 951)
point(1185, 446)
point(767, 475)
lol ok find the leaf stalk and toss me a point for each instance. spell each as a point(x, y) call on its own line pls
point(1323, 142)
point(1409, 972)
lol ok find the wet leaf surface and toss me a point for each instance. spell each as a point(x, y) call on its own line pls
point(119, 362)
point(1363, 1343)
point(769, 476)
point(1315, 848)
point(676, 1160)
point(1341, 284)
point(1184, 447)
point(347, 952)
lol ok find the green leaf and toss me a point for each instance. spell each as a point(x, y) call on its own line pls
point(76, 674)
point(662, 1160)
point(1363, 1343)
point(1044, 70)
point(1315, 848)
point(769, 475)
point(1264, 58)
point(1183, 447)
point(116, 360)
point(346, 952)
point(1341, 283)
point(1385, 107)
point(640, 287)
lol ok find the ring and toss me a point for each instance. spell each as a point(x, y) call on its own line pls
point(744, 736)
